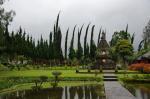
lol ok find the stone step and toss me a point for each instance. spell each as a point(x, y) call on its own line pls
point(110, 79)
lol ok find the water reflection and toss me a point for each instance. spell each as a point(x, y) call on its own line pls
point(76, 92)
point(140, 91)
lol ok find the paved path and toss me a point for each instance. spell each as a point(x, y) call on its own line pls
point(114, 90)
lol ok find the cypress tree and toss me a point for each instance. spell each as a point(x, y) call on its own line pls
point(66, 40)
point(50, 46)
point(98, 41)
point(2, 39)
point(57, 51)
point(72, 53)
point(85, 42)
point(80, 49)
point(59, 37)
point(7, 39)
point(92, 44)
point(87, 50)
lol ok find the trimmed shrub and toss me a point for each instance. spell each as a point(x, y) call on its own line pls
point(142, 67)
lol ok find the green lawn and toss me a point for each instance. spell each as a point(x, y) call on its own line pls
point(131, 75)
point(37, 73)
point(26, 78)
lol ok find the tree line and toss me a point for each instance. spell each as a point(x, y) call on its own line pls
point(20, 43)
point(13, 44)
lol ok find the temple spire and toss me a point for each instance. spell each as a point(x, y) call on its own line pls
point(103, 36)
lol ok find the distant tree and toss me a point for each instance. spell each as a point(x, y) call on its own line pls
point(57, 36)
point(5, 18)
point(99, 35)
point(2, 46)
point(146, 37)
point(124, 48)
point(66, 40)
point(86, 51)
point(92, 45)
point(123, 34)
point(50, 46)
point(72, 53)
point(80, 49)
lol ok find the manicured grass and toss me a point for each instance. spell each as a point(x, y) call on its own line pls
point(37, 73)
point(131, 75)
point(28, 76)
point(134, 78)
point(127, 71)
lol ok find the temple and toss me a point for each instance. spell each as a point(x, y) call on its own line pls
point(103, 59)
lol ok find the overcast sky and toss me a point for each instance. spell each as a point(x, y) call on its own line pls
point(38, 16)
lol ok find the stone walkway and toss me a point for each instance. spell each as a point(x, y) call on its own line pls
point(114, 90)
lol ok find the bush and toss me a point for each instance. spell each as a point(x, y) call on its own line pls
point(142, 67)
point(135, 77)
point(146, 76)
point(89, 70)
point(3, 68)
point(147, 68)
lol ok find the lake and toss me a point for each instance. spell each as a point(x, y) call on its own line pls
point(140, 91)
point(68, 92)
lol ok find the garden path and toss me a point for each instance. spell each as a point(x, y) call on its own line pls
point(113, 89)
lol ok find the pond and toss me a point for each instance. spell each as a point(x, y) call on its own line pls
point(140, 91)
point(70, 92)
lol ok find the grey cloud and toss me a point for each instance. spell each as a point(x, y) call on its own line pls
point(38, 16)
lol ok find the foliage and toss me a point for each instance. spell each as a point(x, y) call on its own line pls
point(142, 67)
point(56, 74)
point(5, 19)
point(18, 43)
point(38, 82)
point(80, 49)
point(145, 43)
point(66, 40)
point(136, 78)
point(123, 34)
point(86, 46)
point(3, 68)
point(74, 62)
point(146, 35)
point(99, 35)
point(113, 54)
point(92, 45)
point(57, 36)
point(72, 53)
point(124, 49)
